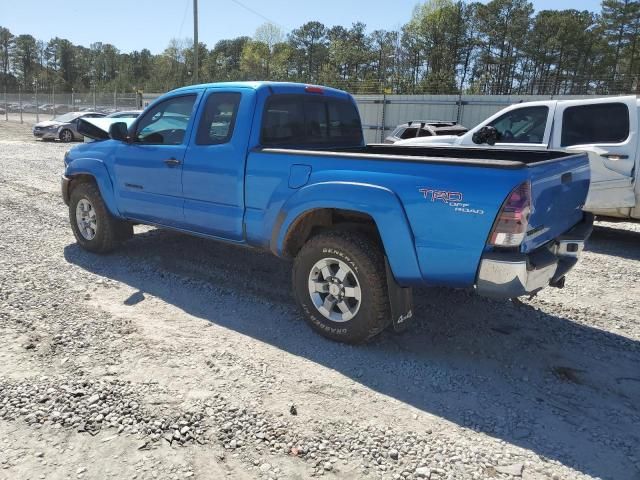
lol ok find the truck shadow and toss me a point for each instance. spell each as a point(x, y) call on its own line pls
point(550, 384)
point(616, 242)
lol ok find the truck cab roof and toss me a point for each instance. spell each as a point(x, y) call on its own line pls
point(275, 87)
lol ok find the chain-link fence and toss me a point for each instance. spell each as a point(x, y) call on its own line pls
point(380, 113)
point(34, 107)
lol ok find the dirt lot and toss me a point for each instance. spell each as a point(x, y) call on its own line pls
point(177, 357)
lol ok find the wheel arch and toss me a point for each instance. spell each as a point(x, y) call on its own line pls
point(91, 170)
point(334, 204)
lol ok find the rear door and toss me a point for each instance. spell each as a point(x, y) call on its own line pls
point(213, 172)
point(148, 170)
point(607, 128)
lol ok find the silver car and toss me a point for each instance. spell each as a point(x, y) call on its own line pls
point(63, 127)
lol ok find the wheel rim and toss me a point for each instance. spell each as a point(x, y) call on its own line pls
point(335, 290)
point(86, 219)
point(66, 136)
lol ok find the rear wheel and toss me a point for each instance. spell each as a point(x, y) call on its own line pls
point(66, 135)
point(93, 226)
point(339, 282)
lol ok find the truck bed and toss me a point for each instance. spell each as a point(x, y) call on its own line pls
point(480, 157)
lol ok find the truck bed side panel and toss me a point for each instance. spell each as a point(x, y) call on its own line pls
point(449, 209)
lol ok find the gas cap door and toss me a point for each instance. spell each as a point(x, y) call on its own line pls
point(299, 175)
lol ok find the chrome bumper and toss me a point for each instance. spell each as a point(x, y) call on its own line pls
point(510, 275)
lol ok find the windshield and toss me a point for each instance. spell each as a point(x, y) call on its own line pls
point(67, 117)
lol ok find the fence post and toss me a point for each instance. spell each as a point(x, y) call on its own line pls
point(6, 105)
point(37, 109)
point(20, 102)
point(459, 115)
point(94, 98)
point(115, 99)
point(384, 114)
point(53, 95)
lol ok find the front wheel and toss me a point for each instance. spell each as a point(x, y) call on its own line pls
point(66, 136)
point(340, 283)
point(93, 226)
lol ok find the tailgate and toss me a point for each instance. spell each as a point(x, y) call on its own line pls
point(558, 189)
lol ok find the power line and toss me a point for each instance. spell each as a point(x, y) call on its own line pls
point(184, 17)
point(240, 4)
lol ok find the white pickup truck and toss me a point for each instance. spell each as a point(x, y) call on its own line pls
point(606, 128)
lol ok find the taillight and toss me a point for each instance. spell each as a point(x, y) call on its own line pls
point(513, 220)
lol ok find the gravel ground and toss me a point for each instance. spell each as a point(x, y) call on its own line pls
point(177, 357)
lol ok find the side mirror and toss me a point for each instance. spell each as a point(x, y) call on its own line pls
point(488, 135)
point(119, 131)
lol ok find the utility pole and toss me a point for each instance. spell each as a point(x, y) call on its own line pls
point(195, 42)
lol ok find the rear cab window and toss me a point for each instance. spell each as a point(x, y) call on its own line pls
point(597, 123)
point(310, 121)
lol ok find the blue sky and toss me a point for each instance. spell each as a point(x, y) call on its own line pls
point(133, 25)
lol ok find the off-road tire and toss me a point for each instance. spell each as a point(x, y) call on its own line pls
point(364, 256)
point(110, 231)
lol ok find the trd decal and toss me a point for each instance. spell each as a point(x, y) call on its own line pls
point(453, 199)
point(441, 195)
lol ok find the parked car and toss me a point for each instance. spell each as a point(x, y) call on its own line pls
point(363, 223)
point(607, 129)
point(125, 114)
point(425, 128)
point(63, 127)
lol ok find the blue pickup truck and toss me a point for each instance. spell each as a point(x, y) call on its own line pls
point(284, 167)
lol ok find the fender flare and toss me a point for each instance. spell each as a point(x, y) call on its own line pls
point(96, 169)
point(378, 202)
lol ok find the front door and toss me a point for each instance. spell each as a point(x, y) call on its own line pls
point(213, 172)
point(148, 170)
point(526, 127)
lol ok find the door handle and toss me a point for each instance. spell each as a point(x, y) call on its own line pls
point(172, 162)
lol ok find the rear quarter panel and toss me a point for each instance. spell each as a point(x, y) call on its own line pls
point(434, 219)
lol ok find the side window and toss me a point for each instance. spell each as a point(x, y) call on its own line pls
point(423, 132)
point(409, 133)
point(600, 123)
point(522, 125)
point(218, 119)
point(398, 132)
point(166, 123)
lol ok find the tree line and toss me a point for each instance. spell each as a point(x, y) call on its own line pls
point(447, 47)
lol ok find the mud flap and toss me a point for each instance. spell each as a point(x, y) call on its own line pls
point(400, 300)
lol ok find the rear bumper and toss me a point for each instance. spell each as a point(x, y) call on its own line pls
point(510, 275)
